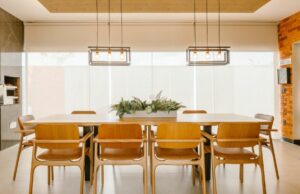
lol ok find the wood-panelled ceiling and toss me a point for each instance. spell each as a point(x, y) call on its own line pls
point(152, 6)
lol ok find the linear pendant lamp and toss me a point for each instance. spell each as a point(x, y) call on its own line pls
point(108, 55)
point(208, 55)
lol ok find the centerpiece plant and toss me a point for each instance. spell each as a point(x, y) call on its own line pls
point(159, 103)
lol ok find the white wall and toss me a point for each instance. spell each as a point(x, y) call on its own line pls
point(148, 37)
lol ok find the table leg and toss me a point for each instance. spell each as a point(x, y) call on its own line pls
point(88, 144)
point(86, 158)
point(207, 129)
point(148, 128)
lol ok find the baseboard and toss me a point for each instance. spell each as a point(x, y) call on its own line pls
point(293, 141)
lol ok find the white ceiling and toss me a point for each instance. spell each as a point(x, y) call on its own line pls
point(33, 11)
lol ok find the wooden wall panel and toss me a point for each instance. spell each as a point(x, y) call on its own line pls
point(152, 6)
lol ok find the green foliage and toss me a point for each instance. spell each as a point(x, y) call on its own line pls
point(136, 104)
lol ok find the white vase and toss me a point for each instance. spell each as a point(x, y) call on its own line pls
point(158, 114)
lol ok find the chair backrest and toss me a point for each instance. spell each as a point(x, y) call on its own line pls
point(83, 112)
point(120, 131)
point(194, 112)
point(184, 131)
point(236, 132)
point(269, 118)
point(23, 119)
point(57, 132)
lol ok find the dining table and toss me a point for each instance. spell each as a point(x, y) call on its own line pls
point(207, 121)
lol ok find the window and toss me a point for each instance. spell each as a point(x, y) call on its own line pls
point(62, 82)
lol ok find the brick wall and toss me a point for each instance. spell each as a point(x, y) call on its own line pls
point(288, 34)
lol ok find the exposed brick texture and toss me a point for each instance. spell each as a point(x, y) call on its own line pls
point(288, 34)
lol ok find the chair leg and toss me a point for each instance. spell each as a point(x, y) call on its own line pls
point(202, 180)
point(242, 173)
point(214, 177)
point(49, 175)
point(91, 170)
point(31, 178)
point(102, 175)
point(52, 173)
point(261, 165)
point(151, 169)
point(82, 179)
point(193, 175)
point(95, 179)
point(145, 175)
point(17, 161)
point(262, 170)
point(153, 179)
point(253, 151)
point(274, 157)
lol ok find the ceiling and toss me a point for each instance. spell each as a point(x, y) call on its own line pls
point(34, 11)
point(152, 6)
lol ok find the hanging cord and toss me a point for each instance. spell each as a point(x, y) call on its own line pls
point(121, 23)
point(109, 23)
point(219, 24)
point(206, 5)
point(97, 19)
point(195, 26)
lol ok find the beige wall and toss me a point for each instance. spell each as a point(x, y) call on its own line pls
point(148, 37)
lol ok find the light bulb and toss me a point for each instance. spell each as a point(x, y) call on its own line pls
point(207, 55)
point(109, 55)
point(219, 55)
point(195, 56)
point(97, 56)
point(122, 56)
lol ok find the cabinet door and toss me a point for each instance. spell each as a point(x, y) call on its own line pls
point(9, 117)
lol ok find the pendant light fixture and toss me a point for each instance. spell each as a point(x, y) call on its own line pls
point(208, 55)
point(192, 51)
point(109, 56)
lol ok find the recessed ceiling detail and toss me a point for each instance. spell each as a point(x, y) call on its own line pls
point(151, 6)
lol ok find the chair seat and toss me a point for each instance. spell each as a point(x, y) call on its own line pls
point(233, 153)
point(176, 154)
point(122, 153)
point(264, 132)
point(61, 154)
point(27, 143)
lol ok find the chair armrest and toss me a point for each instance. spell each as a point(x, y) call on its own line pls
point(261, 139)
point(61, 141)
point(86, 137)
point(269, 130)
point(208, 136)
point(27, 131)
point(96, 140)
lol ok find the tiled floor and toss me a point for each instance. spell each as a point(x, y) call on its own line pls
point(170, 180)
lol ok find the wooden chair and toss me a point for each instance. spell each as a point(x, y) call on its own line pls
point(194, 112)
point(229, 147)
point(120, 144)
point(25, 138)
point(63, 147)
point(175, 145)
point(86, 130)
point(266, 132)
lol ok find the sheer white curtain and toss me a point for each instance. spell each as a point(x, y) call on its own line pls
point(62, 82)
